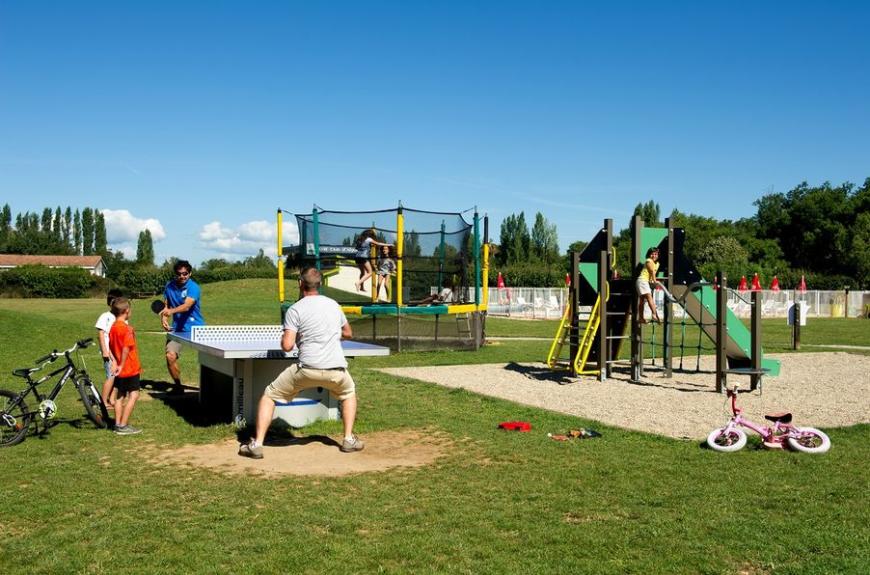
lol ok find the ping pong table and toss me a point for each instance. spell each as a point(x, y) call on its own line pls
point(237, 362)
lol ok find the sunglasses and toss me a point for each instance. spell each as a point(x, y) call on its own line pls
point(182, 274)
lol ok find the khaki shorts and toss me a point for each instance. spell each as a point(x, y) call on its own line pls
point(294, 379)
point(643, 287)
point(173, 346)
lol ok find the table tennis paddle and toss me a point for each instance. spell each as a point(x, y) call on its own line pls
point(158, 305)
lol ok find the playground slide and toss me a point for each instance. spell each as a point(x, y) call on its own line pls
point(700, 304)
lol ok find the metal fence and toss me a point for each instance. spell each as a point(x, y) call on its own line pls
point(550, 303)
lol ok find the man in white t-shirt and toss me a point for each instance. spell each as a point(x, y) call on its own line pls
point(316, 324)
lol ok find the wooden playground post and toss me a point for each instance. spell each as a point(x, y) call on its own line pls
point(721, 331)
point(755, 362)
point(636, 334)
point(667, 349)
point(574, 299)
point(603, 293)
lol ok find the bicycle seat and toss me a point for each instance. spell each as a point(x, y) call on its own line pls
point(23, 372)
point(782, 417)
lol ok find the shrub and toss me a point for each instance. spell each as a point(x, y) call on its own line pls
point(42, 281)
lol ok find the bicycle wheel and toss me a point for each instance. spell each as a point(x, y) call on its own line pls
point(809, 440)
point(14, 419)
point(94, 406)
point(734, 440)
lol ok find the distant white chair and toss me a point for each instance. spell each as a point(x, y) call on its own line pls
point(522, 304)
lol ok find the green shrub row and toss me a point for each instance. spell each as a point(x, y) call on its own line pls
point(42, 281)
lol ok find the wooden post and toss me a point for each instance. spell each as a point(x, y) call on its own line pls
point(574, 302)
point(721, 332)
point(603, 293)
point(755, 363)
point(667, 336)
point(636, 333)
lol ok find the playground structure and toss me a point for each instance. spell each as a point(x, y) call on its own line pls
point(432, 251)
point(603, 308)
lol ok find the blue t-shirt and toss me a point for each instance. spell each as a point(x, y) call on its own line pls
point(175, 295)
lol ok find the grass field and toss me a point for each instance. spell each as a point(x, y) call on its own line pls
point(80, 500)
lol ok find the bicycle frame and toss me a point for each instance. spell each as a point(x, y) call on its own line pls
point(33, 386)
point(769, 434)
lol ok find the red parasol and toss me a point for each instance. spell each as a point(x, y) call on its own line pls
point(756, 283)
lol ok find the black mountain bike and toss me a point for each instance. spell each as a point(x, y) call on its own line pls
point(16, 418)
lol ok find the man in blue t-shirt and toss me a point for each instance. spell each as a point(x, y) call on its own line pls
point(182, 297)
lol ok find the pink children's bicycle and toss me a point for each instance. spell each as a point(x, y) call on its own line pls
point(781, 433)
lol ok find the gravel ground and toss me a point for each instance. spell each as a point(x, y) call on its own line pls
point(822, 390)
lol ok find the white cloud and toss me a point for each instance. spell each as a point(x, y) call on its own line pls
point(122, 228)
point(246, 239)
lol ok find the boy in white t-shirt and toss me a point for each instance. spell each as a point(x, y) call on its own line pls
point(104, 326)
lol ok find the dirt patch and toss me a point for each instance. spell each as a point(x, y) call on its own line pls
point(313, 455)
point(820, 389)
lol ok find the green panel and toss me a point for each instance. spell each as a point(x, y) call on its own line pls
point(650, 238)
point(739, 344)
point(425, 310)
point(589, 271)
point(772, 365)
point(409, 310)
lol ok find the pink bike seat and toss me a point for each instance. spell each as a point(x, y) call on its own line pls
point(782, 417)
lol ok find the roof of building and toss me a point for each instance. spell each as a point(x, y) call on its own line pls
point(52, 261)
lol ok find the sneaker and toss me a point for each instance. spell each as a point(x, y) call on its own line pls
point(127, 430)
point(247, 450)
point(354, 445)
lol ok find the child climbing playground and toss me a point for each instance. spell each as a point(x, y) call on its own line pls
point(645, 283)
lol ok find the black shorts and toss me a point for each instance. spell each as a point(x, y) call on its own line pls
point(125, 385)
point(360, 261)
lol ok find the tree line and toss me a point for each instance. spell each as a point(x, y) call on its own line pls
point(83, 232)
point(820, 232)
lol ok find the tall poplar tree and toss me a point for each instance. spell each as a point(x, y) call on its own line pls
point(100, 233)
point(77, 233)
point(87, 232)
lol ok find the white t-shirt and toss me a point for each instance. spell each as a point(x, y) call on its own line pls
point(317, 321)
point(446, 295)
point(104, 324)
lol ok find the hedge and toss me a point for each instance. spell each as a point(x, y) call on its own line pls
point(41, 281)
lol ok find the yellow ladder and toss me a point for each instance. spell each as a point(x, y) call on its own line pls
point(562, 335)
point(586, 342)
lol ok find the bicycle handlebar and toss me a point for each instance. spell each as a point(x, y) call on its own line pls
point(80, 344)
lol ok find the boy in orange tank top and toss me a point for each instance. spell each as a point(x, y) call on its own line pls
point(122, 343)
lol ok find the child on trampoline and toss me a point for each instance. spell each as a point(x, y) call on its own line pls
point(645, 282)
point(362, 256)
point(386, 267)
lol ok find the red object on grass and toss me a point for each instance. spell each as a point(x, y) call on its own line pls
point(802, 287)
point(515, 425)
point(756, 283)
point(774, 285)
point(743, 285)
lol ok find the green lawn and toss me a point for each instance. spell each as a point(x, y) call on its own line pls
point(79, 500)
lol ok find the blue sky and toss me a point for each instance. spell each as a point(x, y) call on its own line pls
point(199, 119)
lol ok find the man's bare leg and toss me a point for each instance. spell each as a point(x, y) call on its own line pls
point(348, 414)
point(265, 411)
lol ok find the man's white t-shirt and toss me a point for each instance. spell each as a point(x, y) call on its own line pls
point(317, 321)
point(104, 323)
